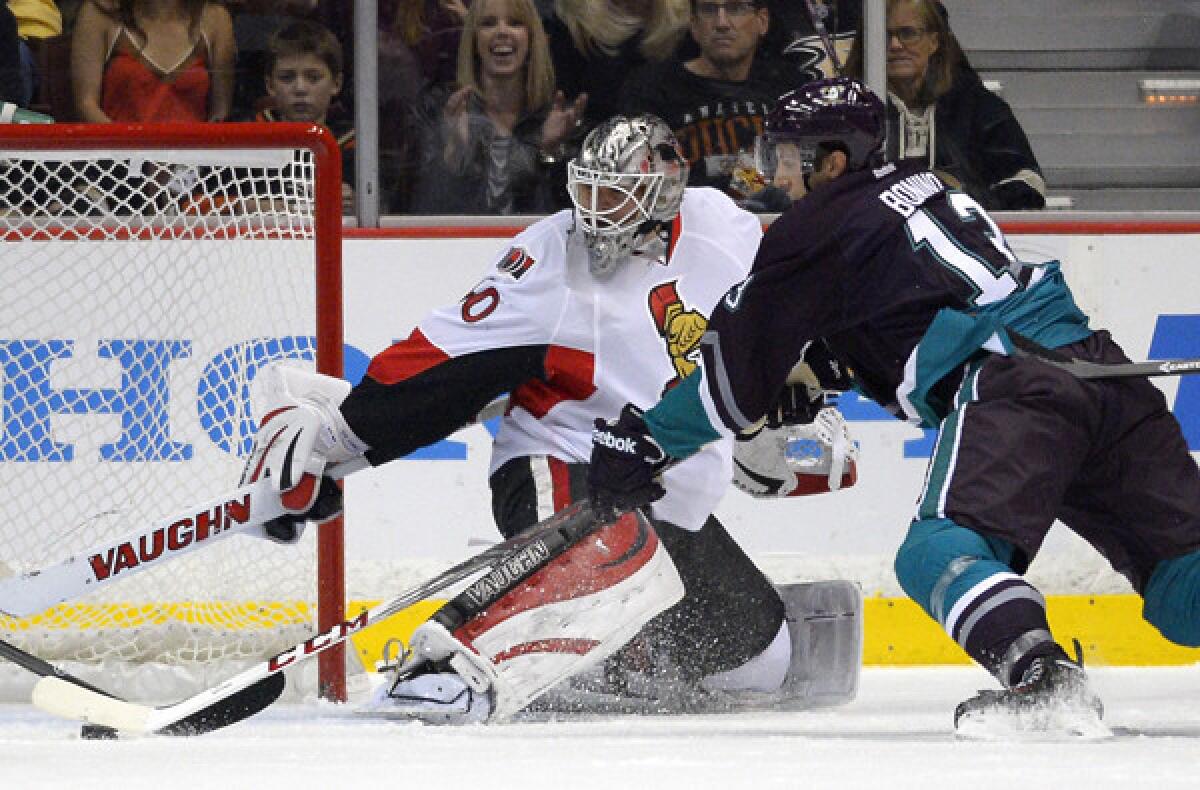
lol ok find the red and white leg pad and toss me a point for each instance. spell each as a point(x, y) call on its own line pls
point(566, 617)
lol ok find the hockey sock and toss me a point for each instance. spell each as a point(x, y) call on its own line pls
point(1001, 623)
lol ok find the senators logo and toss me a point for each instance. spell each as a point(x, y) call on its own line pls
point(680, 327)
point(516, 262)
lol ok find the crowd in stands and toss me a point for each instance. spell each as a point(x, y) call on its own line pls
point(482, 102)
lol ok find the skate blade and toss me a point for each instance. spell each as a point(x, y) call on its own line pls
point(1060, 725)
point(434, 718)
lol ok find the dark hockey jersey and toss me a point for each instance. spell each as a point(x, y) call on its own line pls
point(906, 281)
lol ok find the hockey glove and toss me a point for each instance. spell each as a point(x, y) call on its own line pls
point(796, 460)
point(797, 404)
point(626, 462)
point(302, 431)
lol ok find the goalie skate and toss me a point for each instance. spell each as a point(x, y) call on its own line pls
point(431, 692)
point(1052, 701)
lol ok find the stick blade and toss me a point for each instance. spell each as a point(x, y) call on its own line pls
point(230, 710)
point(71, 701)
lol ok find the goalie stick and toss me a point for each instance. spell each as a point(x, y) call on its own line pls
point(255, 688)
point(185, 531)
point(1083, 369)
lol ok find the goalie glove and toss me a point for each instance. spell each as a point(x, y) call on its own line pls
point(796, 460)
point(625, 465)
point(303, 430)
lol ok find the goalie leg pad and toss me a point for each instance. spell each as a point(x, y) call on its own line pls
point(573, 613)
point(562, 619)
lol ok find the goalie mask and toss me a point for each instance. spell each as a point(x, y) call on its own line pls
point(629, 176)
point(838, 113)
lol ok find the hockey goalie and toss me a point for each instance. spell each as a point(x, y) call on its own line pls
point(586, 310)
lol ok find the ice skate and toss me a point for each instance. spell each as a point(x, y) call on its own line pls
point(1052, 700)
point(431, 692)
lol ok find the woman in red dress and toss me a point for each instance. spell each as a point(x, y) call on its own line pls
point(140, 61)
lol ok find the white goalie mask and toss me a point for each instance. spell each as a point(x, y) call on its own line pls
point(629, 176)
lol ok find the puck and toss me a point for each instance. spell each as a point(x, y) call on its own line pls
point(97, 732)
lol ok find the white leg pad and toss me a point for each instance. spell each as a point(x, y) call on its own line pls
point(568, 616)
point(538, 648)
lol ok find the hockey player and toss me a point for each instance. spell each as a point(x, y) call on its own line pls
point(915, 289)
point(587, 309)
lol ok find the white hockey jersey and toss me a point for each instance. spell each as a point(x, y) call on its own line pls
point(624, 338)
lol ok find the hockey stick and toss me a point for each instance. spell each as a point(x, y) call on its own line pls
point(258, 686)
point(1083, 369)
point(238, 707)
point(170, 537)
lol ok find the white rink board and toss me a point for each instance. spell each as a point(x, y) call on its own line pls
point(417, 509)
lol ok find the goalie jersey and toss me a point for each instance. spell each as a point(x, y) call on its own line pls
point(567, 346)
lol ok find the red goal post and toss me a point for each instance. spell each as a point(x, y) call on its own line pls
point(127, 247)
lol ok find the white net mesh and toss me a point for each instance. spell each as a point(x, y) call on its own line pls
point(139, 295)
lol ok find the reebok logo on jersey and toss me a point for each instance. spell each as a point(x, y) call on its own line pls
point(622, 444)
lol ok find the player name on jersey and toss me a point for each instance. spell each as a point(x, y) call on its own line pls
point(906, 195)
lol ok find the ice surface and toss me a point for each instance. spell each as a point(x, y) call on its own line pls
point(896, 735)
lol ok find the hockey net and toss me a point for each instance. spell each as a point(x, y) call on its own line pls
point(149, 272)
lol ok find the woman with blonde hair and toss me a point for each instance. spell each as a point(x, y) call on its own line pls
point(596, 43)
point(940, 110)
point(491, 145)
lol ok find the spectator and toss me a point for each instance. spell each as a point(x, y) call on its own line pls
point(36, 19)
point(715, 102)
point(595, 44)
point(496, 144)
point(428, 32)
point(165, 61)
point(939, 110)
point(255, 21)
point(303, 75)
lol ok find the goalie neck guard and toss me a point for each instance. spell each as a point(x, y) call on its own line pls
point(629, 176)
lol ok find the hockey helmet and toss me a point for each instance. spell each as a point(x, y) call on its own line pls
point(629, 176)
point(838, 113)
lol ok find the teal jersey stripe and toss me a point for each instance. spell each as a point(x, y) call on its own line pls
point(679, 423)
point(1045, 312)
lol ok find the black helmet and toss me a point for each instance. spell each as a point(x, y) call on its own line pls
point(840, 111)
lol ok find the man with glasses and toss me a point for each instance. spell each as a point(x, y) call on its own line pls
point(716, 101)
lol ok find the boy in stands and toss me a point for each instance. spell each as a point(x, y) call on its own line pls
point(303, 76)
